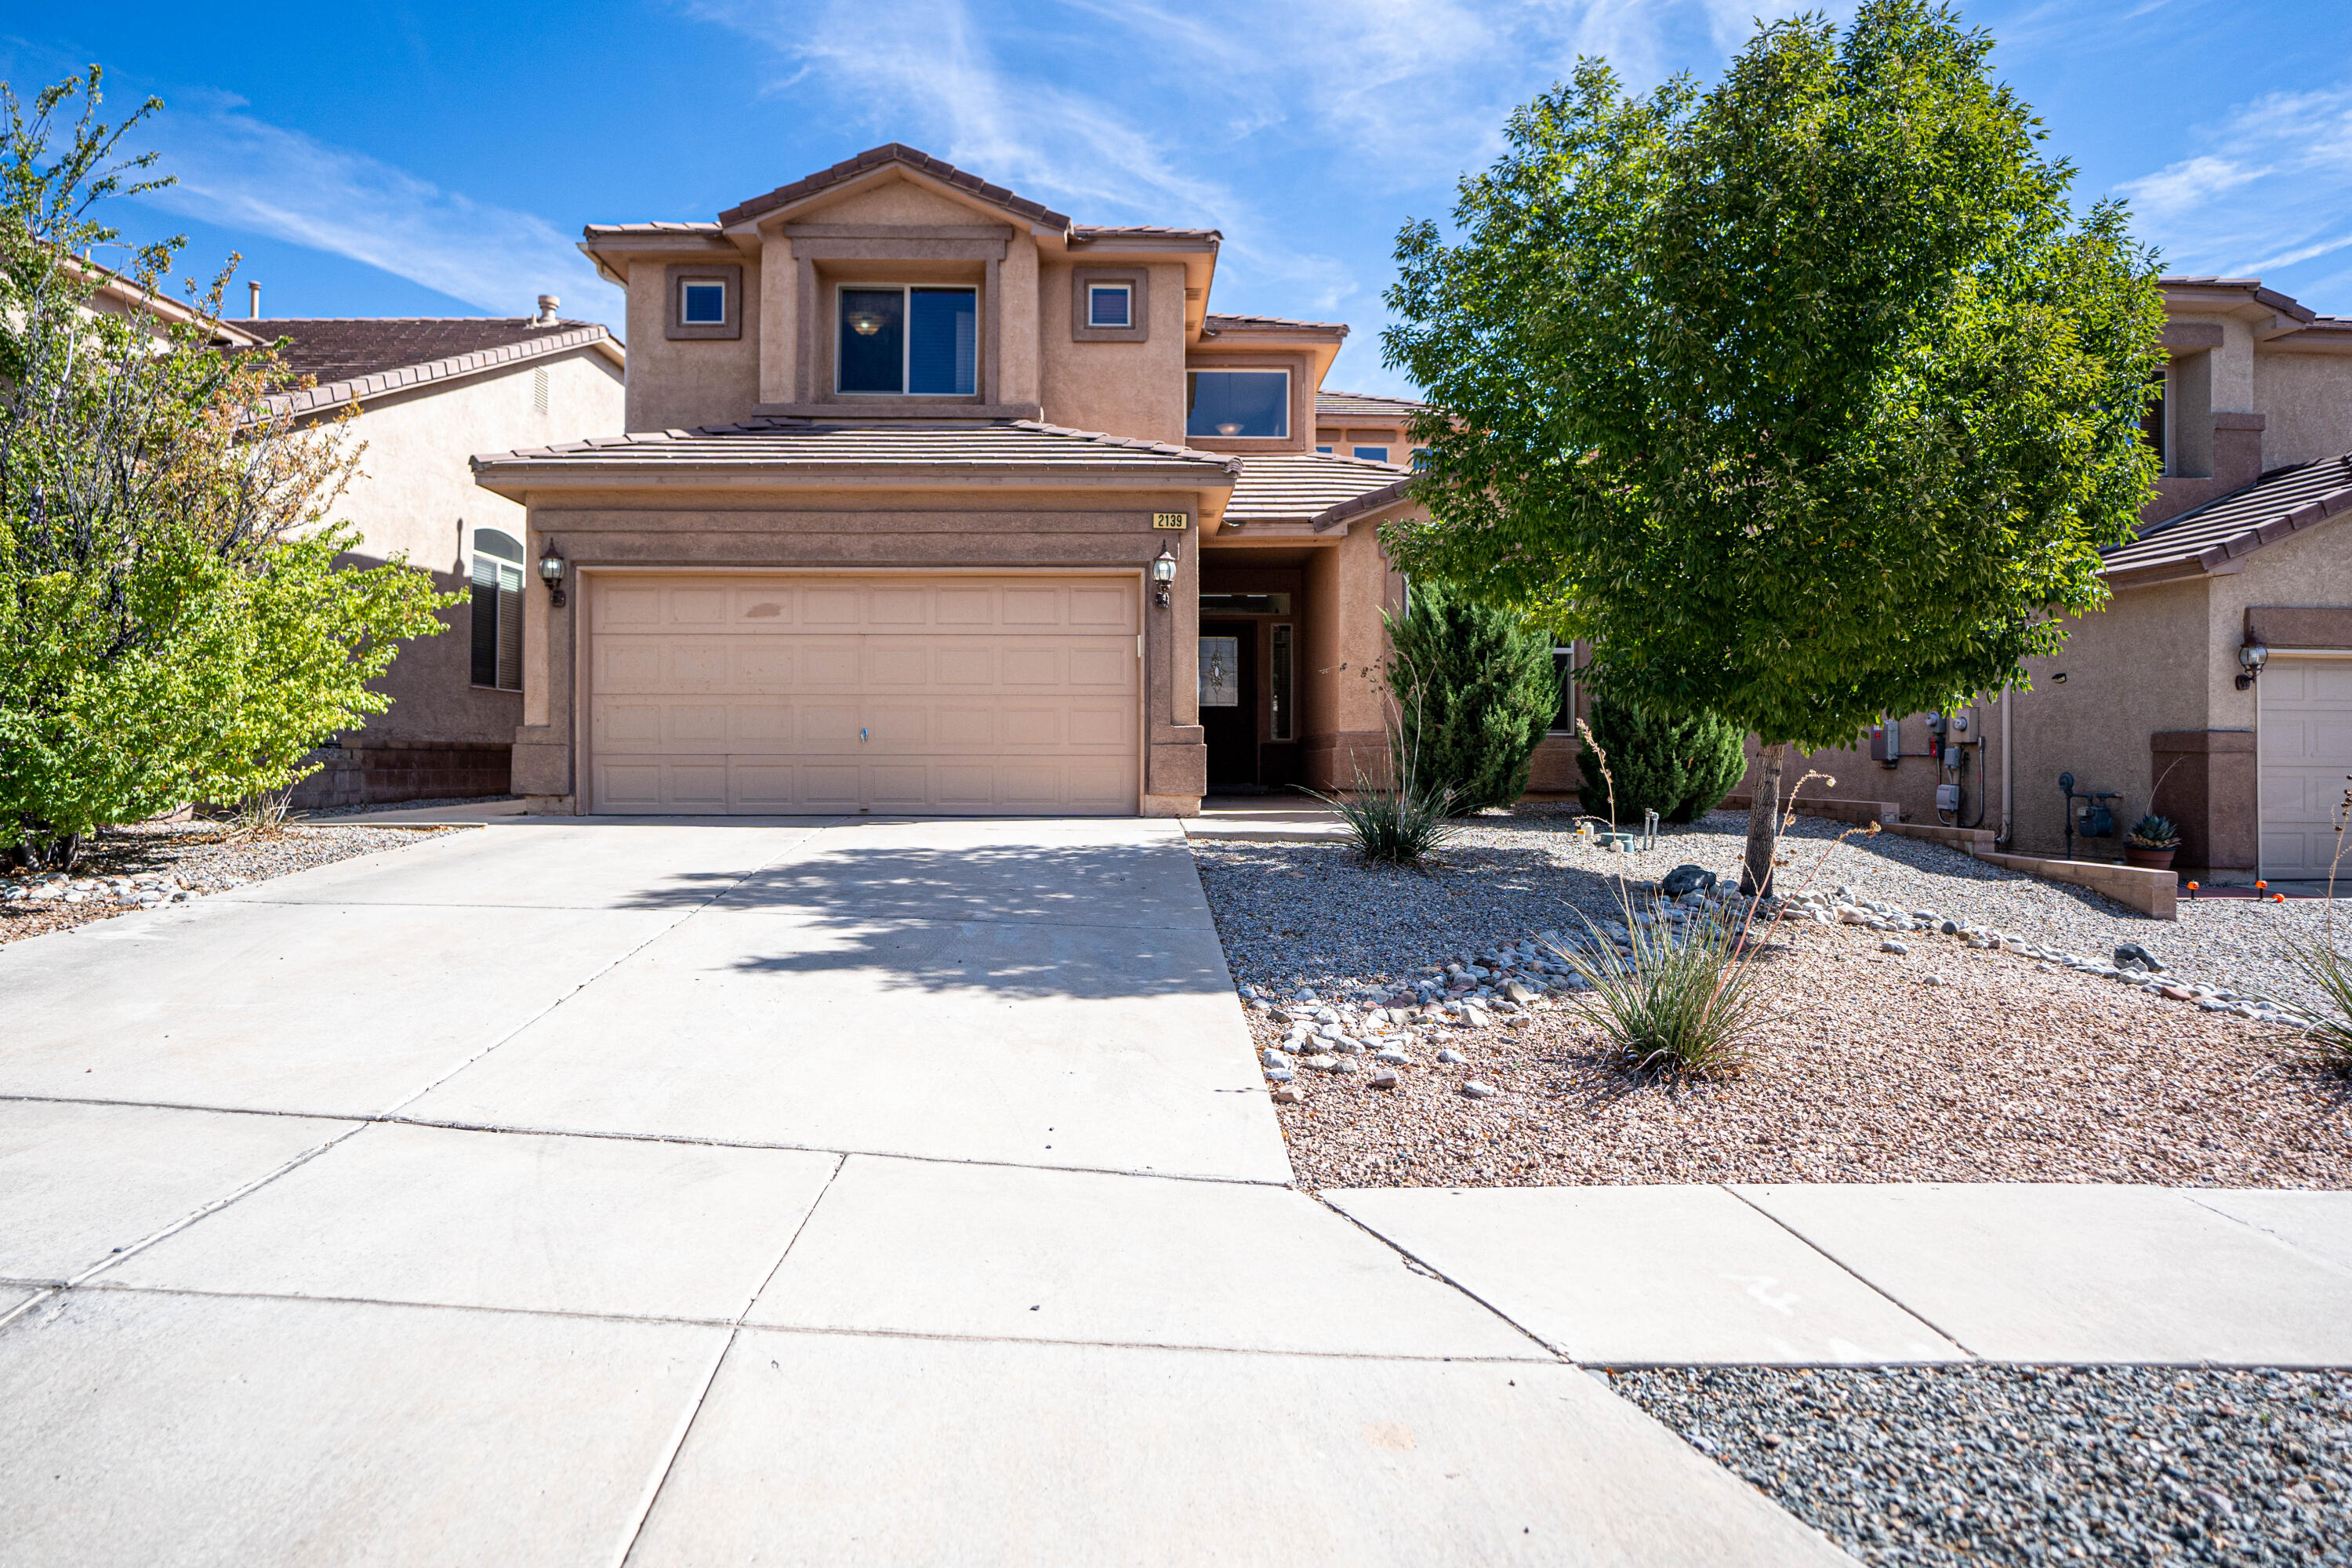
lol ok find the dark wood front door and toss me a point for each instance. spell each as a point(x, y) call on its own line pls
point(1229, 701)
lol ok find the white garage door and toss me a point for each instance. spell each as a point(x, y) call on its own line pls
point(948, 695)
point(2305, 752)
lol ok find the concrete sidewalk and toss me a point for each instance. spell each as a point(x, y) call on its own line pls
point(1665, 1275)
point(677, 1192)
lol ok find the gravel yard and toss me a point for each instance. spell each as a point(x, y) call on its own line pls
point(1965, 1465)
point(2002, 1069)
point(154, 864)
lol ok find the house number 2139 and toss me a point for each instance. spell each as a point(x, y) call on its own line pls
point(1173, 521)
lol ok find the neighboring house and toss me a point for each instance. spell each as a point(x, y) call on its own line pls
point(430, 393)
point(938, 501)
point(2241, 560)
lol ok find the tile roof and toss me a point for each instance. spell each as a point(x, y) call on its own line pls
point(1084, 232)
point(658, 225)
point(817, 448)
point(357, 359)
point(1213, 324)
point(1317, 488)
point(344, 348)
point(1367, 403)
point(894, 153)
point(2281, 502)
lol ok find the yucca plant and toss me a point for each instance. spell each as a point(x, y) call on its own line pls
point(1684, 1006)
point(1396, 825)
point(2325, 1029)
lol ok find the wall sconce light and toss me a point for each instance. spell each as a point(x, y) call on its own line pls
point(1163, 574)
point(2250, 660)
point(551, 571)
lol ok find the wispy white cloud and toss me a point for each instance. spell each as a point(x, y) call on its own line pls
point(2268, 189)
point(240, 172)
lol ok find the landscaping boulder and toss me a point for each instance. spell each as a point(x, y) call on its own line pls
point(2131, 956)
point(1687, 878)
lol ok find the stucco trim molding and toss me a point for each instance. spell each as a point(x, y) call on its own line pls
point(675, 327)
point(1139, 304)
point(2188, 337)
point(2299, 625)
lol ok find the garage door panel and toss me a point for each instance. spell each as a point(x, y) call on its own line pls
point(965, 607)
point(833, 606)
point(1030, 608)
point(973, 696)
point(898, 664)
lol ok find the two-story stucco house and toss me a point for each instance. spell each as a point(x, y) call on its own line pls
point(936, 501)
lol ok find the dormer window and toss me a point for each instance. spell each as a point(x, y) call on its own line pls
point(702, 303)
point(1226, 403)
point(1110, 305)
point(909, 341)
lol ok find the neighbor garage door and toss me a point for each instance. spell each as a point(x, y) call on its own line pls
point(2306, 751)
point(946, 695)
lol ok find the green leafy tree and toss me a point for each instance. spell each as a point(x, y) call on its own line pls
point(1475, 692)
point(1678, 768)
point(1805, 398)
point(174, 624)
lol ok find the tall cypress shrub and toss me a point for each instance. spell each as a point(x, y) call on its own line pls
point(1475, 691)
point(1679, 768)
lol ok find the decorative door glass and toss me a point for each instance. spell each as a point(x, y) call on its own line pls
point(1220, 672)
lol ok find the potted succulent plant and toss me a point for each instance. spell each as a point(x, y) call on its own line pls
point(2151, 843)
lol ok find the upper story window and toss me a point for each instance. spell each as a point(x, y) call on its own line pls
point(498, 610)
point(1374, 454)
point(914, 341)
point(702, 303)
point(1110, 305)
point(1237, 403)
point(1325, 450)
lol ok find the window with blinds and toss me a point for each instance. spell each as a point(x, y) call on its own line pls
point(498, 610)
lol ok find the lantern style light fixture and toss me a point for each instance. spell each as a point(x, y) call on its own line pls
point(1163, 574)
point(552, 567)
point(2252, 658)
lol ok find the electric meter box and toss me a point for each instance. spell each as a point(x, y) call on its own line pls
point(1947, 797)
point(1886, 742)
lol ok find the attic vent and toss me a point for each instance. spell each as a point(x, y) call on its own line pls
point(539, 392)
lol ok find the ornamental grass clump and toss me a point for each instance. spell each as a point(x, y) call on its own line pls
point(1673, 1004)
point(2325, 1029)
point(1396, 825)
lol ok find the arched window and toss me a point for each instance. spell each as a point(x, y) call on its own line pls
point(498, 610)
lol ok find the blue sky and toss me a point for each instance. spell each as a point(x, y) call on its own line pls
point(438, 159)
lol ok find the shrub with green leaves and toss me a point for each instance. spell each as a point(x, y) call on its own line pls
point(174, 624)
point(1474, 693)
point(1679, 768)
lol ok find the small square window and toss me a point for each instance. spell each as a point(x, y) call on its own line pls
point(702, 303)
point(1109, 305)
point(1325, 450)
point(1374, 454)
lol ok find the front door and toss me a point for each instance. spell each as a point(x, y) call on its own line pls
point(1229, 701)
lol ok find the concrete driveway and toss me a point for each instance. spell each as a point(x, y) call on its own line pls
point(695, 1193)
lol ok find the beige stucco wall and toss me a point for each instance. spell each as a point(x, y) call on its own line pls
point(1342, 706)
point(415, 496)
point(677, 385)
point(2306, 402)
point(1124, 389)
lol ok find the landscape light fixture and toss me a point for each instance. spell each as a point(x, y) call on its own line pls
point(1163, 574)
point(2250, 660)
point(551, 570)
